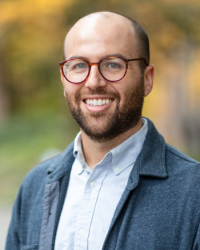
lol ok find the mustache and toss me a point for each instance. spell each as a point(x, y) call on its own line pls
point(100, 91)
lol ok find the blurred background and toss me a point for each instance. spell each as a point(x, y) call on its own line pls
point(34, 119)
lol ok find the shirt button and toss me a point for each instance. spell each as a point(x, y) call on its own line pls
point(92, 184)
point(81, 232)
point(80, 169)
point(117, 169)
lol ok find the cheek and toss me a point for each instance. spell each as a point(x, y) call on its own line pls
point(132, 79)
point(67, 91)
point(66, 86)
point(71, 89)
point(124, 87)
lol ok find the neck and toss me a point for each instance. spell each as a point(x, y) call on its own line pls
point(95, 151)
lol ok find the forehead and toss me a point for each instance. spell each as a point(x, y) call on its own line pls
point(101, 35)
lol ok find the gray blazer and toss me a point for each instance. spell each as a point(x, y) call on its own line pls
point(159, 209)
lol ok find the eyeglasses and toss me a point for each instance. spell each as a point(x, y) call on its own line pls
point(112, 69)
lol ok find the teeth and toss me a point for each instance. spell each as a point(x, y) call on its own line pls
point(97, 102)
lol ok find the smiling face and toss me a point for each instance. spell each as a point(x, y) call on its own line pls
point(105, 109)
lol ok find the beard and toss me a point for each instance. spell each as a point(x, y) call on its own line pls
point(109, 126)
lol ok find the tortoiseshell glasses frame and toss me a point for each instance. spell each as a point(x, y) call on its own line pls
point(101, 62)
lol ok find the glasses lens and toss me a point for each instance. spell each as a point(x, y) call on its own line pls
point(75, 70)
point(113, 69)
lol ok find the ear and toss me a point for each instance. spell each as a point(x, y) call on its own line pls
point(148, 79)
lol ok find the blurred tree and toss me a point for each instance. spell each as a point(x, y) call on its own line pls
point(32, 33)
point(4, 97)
point(31, 38)
point(31, 49)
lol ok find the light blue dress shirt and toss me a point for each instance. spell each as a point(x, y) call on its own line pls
point(93, 195)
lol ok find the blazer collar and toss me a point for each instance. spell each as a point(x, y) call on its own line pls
point(151, 160)
point(61, 164)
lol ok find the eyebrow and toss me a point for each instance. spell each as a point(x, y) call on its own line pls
point(86, 59)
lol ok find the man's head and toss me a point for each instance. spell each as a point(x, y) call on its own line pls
point(105, 109)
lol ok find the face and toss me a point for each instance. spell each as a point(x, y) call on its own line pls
point(105, 109)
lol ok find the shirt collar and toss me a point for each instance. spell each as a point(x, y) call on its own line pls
point(127, 152)
point(123, 156)
point(78, 153)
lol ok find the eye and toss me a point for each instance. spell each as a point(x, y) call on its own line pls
point(113, 65)
point(76, 65)
point(81, 65)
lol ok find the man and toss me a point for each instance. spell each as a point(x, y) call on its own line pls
point(119, 185)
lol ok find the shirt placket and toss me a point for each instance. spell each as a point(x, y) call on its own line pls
point(87, 208)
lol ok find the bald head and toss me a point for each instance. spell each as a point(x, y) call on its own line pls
point(110, 25)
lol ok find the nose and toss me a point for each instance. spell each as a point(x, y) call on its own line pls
point(95, 79)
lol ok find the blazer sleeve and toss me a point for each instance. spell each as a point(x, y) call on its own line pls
point(13, 236)
point(196, 245)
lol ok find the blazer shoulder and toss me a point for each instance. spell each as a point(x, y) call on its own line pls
point(173, 152)
point(40, 171)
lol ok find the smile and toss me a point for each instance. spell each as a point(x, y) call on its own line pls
point(98, 102)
